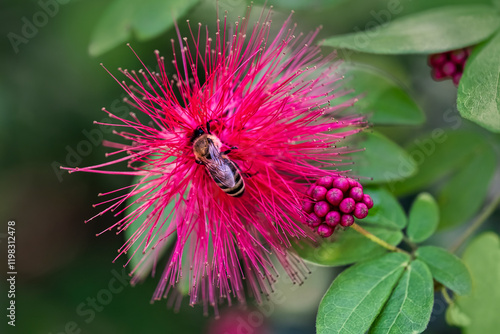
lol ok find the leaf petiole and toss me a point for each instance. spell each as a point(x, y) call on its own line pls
point(377, 240)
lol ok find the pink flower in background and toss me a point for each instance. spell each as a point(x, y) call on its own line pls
point(240, 321)
point(449, 65)
point(227, 147)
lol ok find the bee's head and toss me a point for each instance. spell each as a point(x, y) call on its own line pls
point(197, 132)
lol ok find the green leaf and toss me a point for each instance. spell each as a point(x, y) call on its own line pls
point(410, 305)
point(386, 209)
point(297, 4)
point(455, 156)
point(446, 268)
point(497, 4)
point(478, 311)
point(458, 204)
point(432, 31)
point(380, 160)
point(478, 92)
point(113, 28)
point(147, 18)
point(382, 98)
point(437, 154)
point(357, 295)
point(423, 218)
point(349, 247)
point(153, 17)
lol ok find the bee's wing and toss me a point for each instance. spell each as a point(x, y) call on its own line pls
point(219, 170)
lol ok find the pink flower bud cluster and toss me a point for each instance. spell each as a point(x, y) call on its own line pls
point(449, 65)
point(334, 201)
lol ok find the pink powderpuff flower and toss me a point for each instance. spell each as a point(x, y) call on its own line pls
point(234, 139)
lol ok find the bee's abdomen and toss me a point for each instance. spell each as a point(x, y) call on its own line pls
point(239, 185)
point(238, 189)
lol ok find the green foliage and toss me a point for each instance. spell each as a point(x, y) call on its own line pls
point(458, 204)
point(113, 28)
point(423, 218)
point(478, 311)
point(380, 160)
point(386, 211)
point(155, 16)
point(446, 268)
point(349, 247)
point(147, 19)
point(432, 31)
point(298, 4)
point(454, 156)
point(478, 98)
point(382, 98)
point(358, 294)
point(410, 304)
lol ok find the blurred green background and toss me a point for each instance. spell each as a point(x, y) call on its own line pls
point(51, 90)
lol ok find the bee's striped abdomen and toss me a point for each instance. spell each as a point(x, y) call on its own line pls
point(239, 185)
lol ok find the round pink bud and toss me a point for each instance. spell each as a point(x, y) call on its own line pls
point(449, 68)
point(334, 196)
point(318, 193)
point(368, 201)
point(332, 218)
point(360, 211)
point(437, 59)
point(313, 220)
point(310, 190)
point(347, 220)
point(353, 183)
point(437, 74)
point(325, 181)
point(325, 231)
point(356, 194)
point(308, 206)
point(341, 183)
point(458, 56)
point(456, 78)
point(347, 205)
point(321, 208)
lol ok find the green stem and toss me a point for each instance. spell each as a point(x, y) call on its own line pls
point(410, 243)
point(446, 296)
point(376, 239)
point(487, 211)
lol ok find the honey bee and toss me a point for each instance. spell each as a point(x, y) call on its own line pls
point(224, 172)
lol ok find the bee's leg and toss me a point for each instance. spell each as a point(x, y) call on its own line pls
point(229, 151)
point(249, 174)
point(208, 125)
point(245, 174)
point(198, 162)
